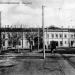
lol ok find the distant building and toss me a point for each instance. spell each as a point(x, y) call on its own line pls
point(63, 36)
point(6, 40)
point(27, 37)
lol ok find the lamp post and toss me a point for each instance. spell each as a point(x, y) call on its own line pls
point(43, 31)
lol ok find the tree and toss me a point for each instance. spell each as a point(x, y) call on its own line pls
point(33, 37)
point(30, 38)
point(14, 39)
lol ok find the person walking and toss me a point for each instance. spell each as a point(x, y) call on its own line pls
point(53, 46)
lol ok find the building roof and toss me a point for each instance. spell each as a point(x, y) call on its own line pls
point(20, 29)
point(57, 29)
point(49, 29)
point(53, 27)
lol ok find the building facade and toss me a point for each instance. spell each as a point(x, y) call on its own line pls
point(63, 36)
point(17, 40)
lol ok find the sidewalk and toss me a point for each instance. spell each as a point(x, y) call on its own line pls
point(68, 68)
point(70, 58)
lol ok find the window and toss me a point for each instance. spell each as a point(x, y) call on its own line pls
point(47, 35)
point(19, 43)
point(60, 35)
point(8, 35)
point(71, 35)
point(65, 42)
point(3, 43)
point(56, 35)
point(52, 35)
point(65, 36)
point(74, 35)
point(3, 36)
point(61, 43)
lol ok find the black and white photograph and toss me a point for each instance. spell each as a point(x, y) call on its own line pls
point(37, 37)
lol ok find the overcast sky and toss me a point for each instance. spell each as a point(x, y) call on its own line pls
point(57, 13)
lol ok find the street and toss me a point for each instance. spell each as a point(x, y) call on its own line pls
point(34, 64)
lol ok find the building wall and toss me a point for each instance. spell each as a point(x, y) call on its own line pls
point(63, 38)
point(24, 42)
point(5, 40)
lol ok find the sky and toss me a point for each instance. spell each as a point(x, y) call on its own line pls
point(56, 12)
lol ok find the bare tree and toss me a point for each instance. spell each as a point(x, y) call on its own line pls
point(14, 39)
point(30, 37)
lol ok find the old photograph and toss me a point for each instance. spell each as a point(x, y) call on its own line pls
point(37, 37)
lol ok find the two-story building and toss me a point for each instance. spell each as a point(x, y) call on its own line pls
point(63, 36)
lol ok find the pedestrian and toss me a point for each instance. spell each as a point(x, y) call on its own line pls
point(53, 46)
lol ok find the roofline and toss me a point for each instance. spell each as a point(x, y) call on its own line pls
point(35, 30)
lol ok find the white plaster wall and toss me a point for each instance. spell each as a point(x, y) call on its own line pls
point(48, 39)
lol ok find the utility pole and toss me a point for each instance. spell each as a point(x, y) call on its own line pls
point(22, 36)
point(62, 35)
point(0, 33)
point(47, 38)
point(68, 36)
point(43, 31)
point(38, 38)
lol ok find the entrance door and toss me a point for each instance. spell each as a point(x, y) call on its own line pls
point(71, 43)
point(56, 43)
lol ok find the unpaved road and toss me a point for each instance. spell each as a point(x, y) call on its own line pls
point(52, 65)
